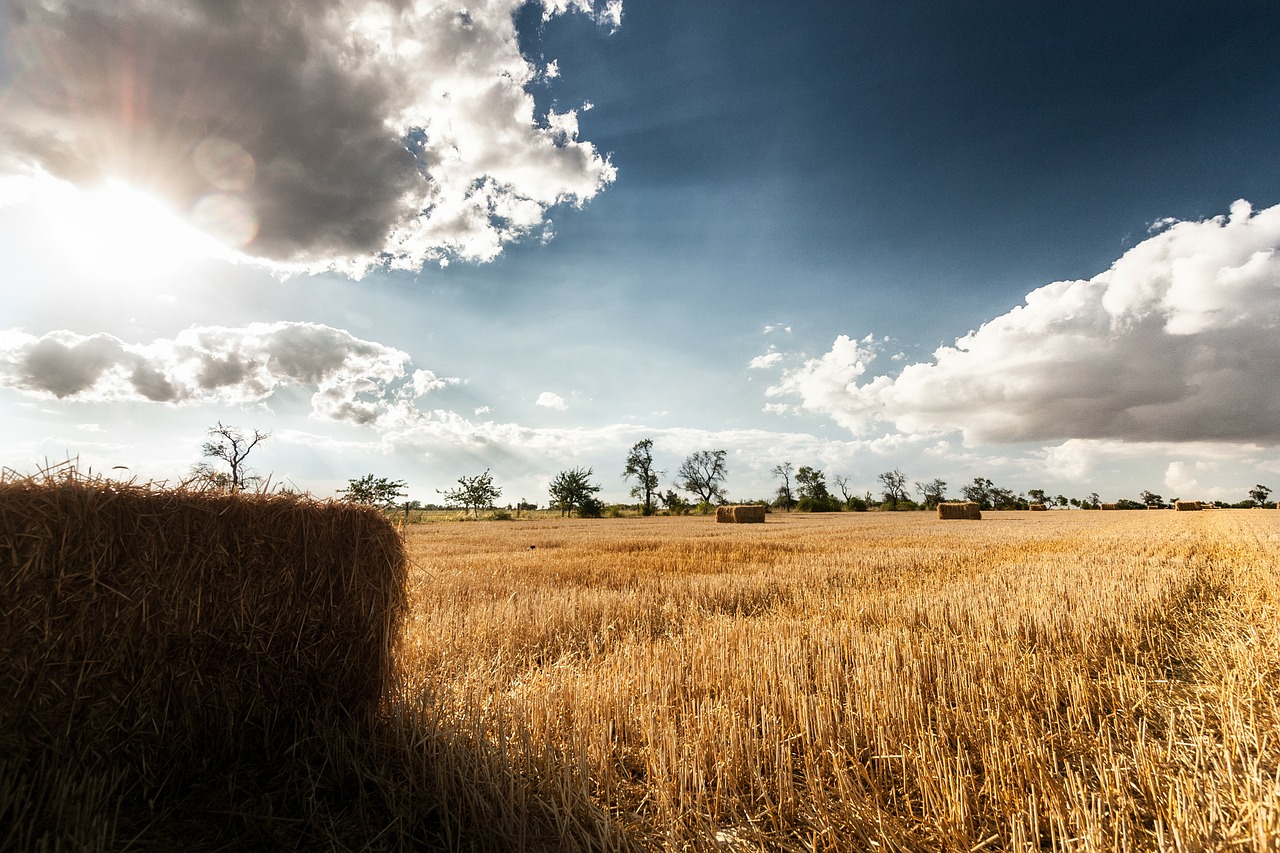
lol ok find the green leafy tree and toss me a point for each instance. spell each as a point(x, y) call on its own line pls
point(572, 490)
point(640, 466)
point(1038, 496)
point(811, 486)
point(1152, 500)
point(232, 446)
point(674, 502)
point(473, 493)
point(376, 491)
point(1259, 494)
point(979, 492)
point(1005, 499)
point(703, 474)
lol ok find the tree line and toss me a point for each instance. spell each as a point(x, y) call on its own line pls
point(697, 485)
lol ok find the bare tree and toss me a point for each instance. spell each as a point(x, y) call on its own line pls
point(786, 499)
point(934, 492)
point(895, 486)
point(842, 483)
point(703, 474)
point(232, 446)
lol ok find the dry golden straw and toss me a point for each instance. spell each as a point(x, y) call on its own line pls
point(1065, 681)
point(743, 514)
point(157, 627)
point(1069, 681)
point(967, 510)
point(1188, 506)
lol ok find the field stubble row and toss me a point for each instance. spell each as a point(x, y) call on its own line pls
point(1066, 681)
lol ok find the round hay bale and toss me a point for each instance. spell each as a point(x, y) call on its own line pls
point(166, 626)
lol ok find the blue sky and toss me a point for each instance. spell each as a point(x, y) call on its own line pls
point(1029, 242)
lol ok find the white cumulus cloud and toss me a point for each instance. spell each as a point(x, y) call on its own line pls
point(829, 384)
point(762, 362)
point(1176, 342)
point(352, 378)
point(550, 400)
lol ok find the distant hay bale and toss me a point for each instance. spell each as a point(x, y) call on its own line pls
point(744, 514)
point(1188, 506)
point(1039, 508)
point(151, 628)
point(960, 510)
point(1110, 506)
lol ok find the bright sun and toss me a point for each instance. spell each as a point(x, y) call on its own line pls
point(114, 234)
point(120, 232)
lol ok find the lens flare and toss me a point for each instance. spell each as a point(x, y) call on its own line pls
point(224, 164)
point(226, 217)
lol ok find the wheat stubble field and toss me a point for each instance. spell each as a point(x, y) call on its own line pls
point(1046, 681)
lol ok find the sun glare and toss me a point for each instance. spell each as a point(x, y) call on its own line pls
point(116, 233)
point(121, 232)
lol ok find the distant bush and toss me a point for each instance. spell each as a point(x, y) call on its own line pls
point(501, 515)
point(822, 504)
point(591, 508)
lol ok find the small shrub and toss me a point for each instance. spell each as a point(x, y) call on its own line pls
point(501, 515)
point(821, 504)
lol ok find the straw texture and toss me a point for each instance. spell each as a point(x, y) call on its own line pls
point(155, 627)
point(960, 510)
point(744, 514)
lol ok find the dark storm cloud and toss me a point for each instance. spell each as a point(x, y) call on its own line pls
point(65, 365)
point(310, 132)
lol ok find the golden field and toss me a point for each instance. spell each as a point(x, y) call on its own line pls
point(1047, 681)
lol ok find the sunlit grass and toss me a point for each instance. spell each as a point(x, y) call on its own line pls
point(1060, 681)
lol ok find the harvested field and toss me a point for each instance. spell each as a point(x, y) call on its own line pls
point(1051, 681)
point(1062, 681)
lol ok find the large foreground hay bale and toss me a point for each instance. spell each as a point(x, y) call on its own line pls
point(960, 510)
point(1187, 506)
point(152, 627)
point(743, 514)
